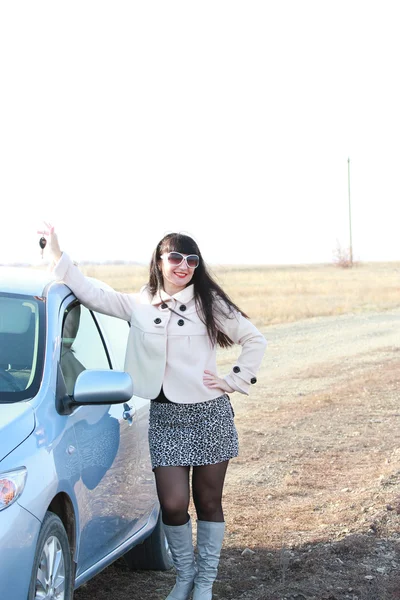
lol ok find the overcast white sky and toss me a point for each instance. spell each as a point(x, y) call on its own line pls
point(232, 121)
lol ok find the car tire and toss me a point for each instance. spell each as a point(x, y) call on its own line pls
point(153, 553)
point(53, 574)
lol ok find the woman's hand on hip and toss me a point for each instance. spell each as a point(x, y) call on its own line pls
point(211, 380)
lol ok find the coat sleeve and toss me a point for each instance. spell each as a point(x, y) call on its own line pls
point(106, 301)
point(243, 332)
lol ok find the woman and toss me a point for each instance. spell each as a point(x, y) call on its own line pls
point(177, 321)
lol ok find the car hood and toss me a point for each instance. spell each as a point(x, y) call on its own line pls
point(17, 421)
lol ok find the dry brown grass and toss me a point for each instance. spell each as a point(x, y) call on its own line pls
point(320, 457)
point(284, 294)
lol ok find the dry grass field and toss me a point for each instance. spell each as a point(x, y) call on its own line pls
point(285, 294)
point(312, 503)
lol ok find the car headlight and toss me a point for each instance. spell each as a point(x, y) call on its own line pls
point(11, 485)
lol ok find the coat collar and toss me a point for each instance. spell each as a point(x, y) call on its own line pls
point(184, 296)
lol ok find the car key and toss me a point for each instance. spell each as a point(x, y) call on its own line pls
point(42, 244)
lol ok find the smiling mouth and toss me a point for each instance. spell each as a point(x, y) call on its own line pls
point(180, 275)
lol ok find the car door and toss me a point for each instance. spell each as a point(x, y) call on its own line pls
point(107, 444)
point(134, 453)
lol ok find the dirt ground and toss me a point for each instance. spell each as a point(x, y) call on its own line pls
point(312, 504)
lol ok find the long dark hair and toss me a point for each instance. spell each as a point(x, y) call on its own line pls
point(206, 290)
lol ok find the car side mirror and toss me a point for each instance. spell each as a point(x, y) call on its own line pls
point(94, 387)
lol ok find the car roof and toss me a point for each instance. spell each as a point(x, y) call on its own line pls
point(32, 281)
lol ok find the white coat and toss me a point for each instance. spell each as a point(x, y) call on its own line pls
point(168, 345)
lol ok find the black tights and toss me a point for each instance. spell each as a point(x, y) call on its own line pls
point(174, 492)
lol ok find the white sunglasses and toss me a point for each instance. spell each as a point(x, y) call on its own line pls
point(176, 258)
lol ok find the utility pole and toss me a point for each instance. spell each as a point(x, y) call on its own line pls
point(351, 241)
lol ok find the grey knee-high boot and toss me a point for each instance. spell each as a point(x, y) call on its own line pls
point(209, 543)
point(181, 546)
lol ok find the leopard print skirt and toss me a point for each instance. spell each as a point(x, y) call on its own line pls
point(192, 434)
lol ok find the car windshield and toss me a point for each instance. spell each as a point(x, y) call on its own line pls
point(22, 325)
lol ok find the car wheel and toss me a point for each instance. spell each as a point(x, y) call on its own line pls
point(153, 553)
point(52, 574)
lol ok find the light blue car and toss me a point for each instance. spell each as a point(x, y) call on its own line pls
point(76, 486)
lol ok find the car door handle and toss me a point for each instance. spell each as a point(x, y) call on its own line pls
point(129, 412)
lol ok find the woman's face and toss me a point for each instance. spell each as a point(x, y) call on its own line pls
point(175, 277)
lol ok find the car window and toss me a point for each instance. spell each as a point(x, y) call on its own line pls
point(82, 346)
point(116, 331)
point(22, 326)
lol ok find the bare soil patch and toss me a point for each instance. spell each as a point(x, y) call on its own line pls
point(312, 504)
